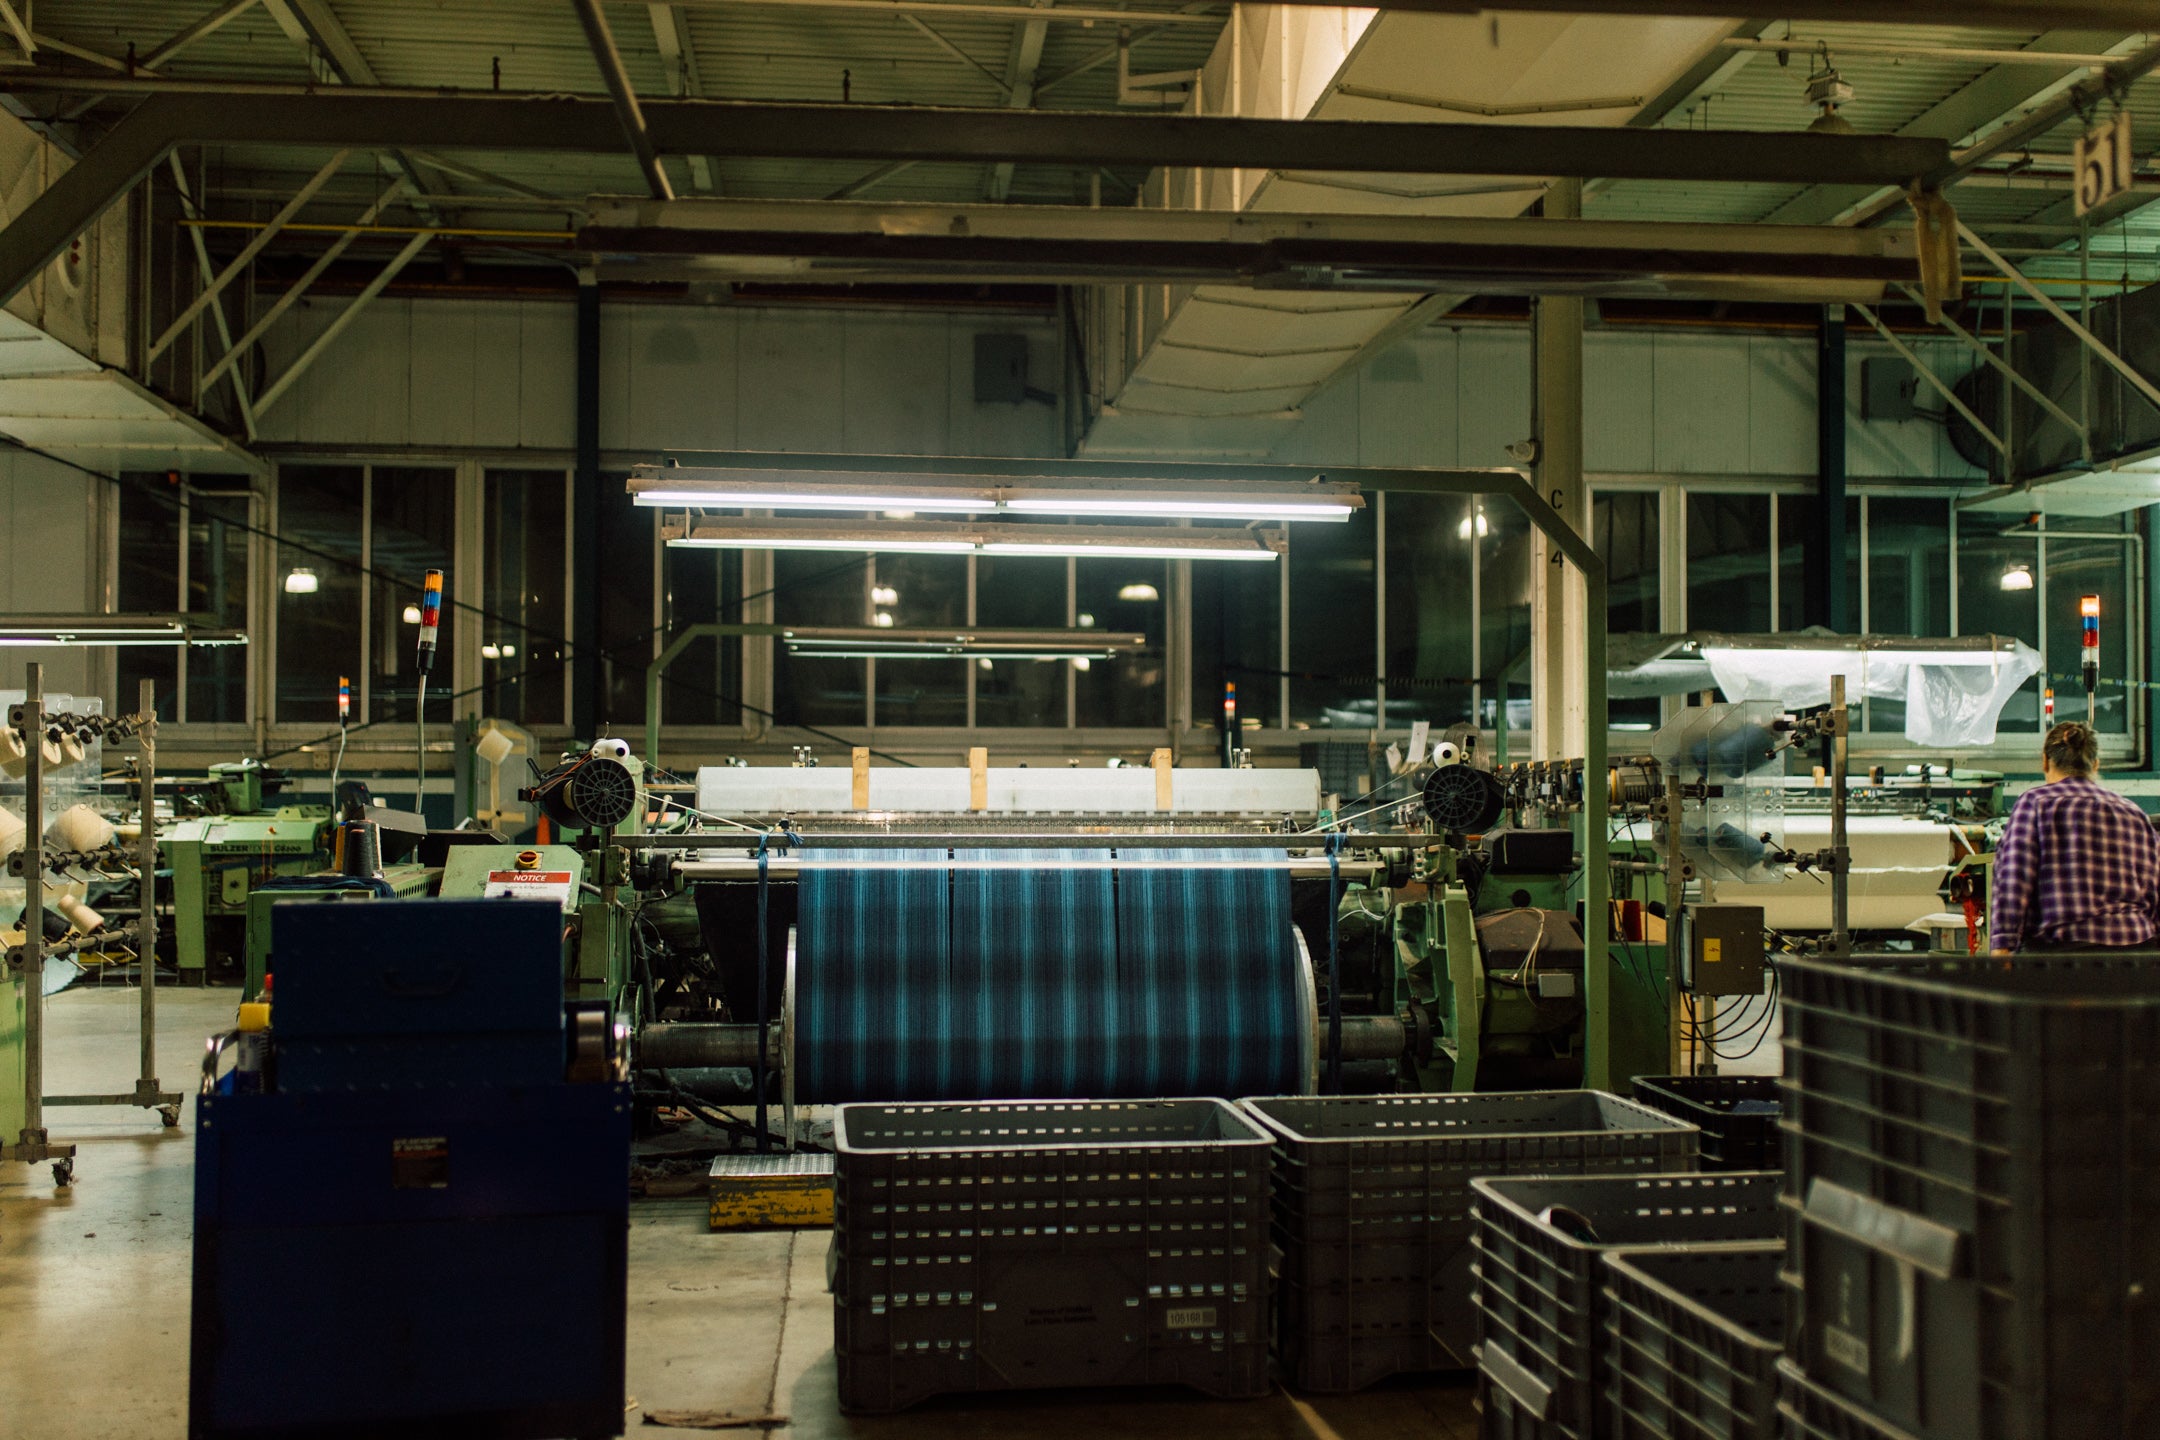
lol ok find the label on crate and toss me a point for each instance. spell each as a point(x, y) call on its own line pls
point(420, 1162)
point(1845, 1348)
point(1195, 1317)
point(555, 885)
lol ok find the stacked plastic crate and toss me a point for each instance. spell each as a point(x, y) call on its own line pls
point(1567, 1347)
point(1972, 1195)
point(1372, 1213)
point(1007, 1246)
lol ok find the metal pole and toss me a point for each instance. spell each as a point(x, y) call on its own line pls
point(1840, 851)
point(146, 1085)
point(32, 728)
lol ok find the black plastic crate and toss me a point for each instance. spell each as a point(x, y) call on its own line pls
point(1372, 1212)
point(1972, 1187)
point(1808, 1411)
point(1540, 1297)
point(1738, 1133)
point(1008, 1246)
point(1693, 1338)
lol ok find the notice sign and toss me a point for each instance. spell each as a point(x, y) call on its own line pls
point(2104, 164)
point(555, 885)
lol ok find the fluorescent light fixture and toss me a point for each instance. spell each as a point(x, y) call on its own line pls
point(1140, 591)
point(902, 495)
point(860, 642)
point(132, 629)
point(2017, 577)
point(1159, 542)
point(301, 581)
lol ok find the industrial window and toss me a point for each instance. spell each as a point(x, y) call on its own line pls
point(629, 551)
point(920, 590)
point(321, 628)
point(1334, 624)
point(1129, 596)
point(525, 595)
point(412, 529)
point(703, 685)
point(1024, 592)
point(1433, 545)
point(1237, 640)
point(1729, 563)
point(1625, 529)
point(186, 546)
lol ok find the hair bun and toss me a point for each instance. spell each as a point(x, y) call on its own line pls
point(2072, 748)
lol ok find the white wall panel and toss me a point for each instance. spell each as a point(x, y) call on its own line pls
point(1031, 428)
point(49, 562)
point(679, 378)
point(547, 375)
point(444, 373)
point(1781, 405)
point(495, 373)
point(1492, 394)
point(1702, 400)
point(1880, 449)
point(1619, 402)
point(896, 384)
point(1330, 433)
point(1406, 403)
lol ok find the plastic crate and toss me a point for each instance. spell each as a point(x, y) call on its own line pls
point(1808, 1411)
point(1693, 1338)
point(1973, 1189)
point(1372, 1212)
point(1009, 1246)
point(1732, 1138)
point(1540, 1297)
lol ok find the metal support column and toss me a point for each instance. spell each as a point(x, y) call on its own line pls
point(585, 508)
point(1556, 625)
point(1826, 576)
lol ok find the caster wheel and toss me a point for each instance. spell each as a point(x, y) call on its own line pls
point(63, 1172)
point(170, 1114)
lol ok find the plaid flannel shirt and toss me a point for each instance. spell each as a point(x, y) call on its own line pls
point(2078, 865)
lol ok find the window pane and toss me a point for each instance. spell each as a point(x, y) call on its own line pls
point(1504, 560)
point(318, 594)
point(1016, 591)
point(2077, 568)
point(1800, 560)
point(812, 587)
point(1430, 539)
point(525, 594)
point(1127, 595)
point(1908, 580)
point(150, 580)
point(1729, 563)
point(415, 531)
point(626, 604)
point(703, 685)
point(1985, 608)
point(1625, 524)
point(1236, 639)
point(218, 586)
point(921, 590)
point(1334, 623)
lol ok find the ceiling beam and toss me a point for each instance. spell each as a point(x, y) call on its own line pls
point(485, 121)
point(1022, 65)
point(209, 24)
point(818, 241)
point(2036, 15)
point(316, 29)
point(601, 39)
point(686, 79)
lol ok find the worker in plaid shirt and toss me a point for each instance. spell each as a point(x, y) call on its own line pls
point(2079, 866)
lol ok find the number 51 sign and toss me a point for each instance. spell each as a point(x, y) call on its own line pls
point(2104, 164)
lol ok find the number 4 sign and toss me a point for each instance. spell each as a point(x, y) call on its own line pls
point(2104, 164)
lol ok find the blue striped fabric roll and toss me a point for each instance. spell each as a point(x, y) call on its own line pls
point(1044, 974)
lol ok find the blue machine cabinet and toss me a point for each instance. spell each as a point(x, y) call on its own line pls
point(444, 1258)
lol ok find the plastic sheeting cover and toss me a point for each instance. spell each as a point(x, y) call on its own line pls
point(1952, 698)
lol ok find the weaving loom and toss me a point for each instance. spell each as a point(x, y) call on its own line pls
point(978, 974)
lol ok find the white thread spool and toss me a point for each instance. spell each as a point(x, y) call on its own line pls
point(78, 829)
point(494, 746)
point(11, 834)
point(14, 755)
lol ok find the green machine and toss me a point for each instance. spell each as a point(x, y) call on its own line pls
point(219, 861)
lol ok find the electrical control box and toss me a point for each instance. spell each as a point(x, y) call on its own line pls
point(1725, 949)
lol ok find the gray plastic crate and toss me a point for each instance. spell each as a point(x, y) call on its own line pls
point(1973, 1190)
point(1738, 1115)
point(1372, 1212)
point(1021, 1245)
point(1808, 1411)
point(1540, 1297)
point(1693, 1337)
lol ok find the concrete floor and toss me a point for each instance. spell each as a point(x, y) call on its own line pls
point(94, 1287)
